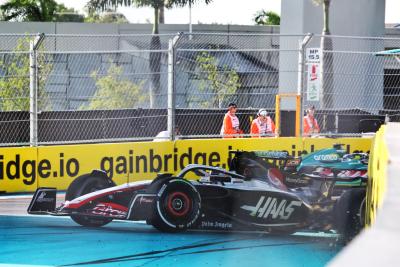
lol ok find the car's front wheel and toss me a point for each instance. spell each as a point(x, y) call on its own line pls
point(83, 185)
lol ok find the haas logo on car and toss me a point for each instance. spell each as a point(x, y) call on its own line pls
point(281, 209)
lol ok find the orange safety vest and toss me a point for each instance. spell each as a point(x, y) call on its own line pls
point(258, 128)
point(230, 126)
point(310, 125)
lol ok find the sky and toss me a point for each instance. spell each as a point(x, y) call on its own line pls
point(240, 12)
point(201, 13)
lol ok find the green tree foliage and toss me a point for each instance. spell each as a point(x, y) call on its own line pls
point(155, 43)
point(267, 18)
point(220, 82)
point(68, 15)
point(32, 10)
point(114, 92)
point(15, 82)
point(156, 4)
point(109, 16)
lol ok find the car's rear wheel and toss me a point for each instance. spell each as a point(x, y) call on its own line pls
point(350, 213)
point(177, 206)
point(83, 185)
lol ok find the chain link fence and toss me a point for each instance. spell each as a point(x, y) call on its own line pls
point(214, 70)
point(96, 88)
point(357, 89)
point(14, 88)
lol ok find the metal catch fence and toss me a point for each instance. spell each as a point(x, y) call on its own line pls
point(95, 88)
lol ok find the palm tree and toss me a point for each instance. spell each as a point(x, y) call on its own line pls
point(155, 43)
point(31, 10)
point(326, 61)
point(327, 57)
point(263, 17)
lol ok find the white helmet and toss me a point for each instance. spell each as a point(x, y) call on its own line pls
point(262, 112)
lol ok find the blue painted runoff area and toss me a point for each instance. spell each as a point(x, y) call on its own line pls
point(58, 241)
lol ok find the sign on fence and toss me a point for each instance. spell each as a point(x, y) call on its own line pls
point(313, 59)
point(23, 169)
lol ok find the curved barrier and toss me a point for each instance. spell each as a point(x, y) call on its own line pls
point(378, 244)
point(24, 169)
point(377, 168)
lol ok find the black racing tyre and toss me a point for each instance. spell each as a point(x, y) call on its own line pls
point(349, 213)
point(177, 206)
point(83, 185)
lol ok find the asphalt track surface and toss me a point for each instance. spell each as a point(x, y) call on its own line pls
point(58, 241)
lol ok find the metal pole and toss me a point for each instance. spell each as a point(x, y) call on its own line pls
point(171, 85)
point(33, 89)
point(387, 118)
point(32, 95)
point(336, 122)
point(300, 77)
point(190, 19)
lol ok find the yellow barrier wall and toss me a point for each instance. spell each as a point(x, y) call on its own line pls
point(25, 169)
point(377, 169)
point(17, 167)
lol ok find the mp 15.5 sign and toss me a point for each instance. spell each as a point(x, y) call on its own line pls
point(313, 60)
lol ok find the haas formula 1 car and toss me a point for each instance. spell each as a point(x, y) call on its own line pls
point(210, 198)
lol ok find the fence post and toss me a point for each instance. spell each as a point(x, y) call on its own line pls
point(171, 85)
point(336, 122)
point(300, 77)
point(33, 89)
point(387, 118)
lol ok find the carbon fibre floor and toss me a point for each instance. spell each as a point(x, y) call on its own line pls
point(58, 241)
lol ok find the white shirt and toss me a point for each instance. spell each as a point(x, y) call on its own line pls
point(162, 136)
point(264, 127)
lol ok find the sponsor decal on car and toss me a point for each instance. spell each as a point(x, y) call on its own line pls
point(329, 157)
point(42, 198)
point(216, 225)
point(297, 180)
point(145, 199)
point(272, 207)
point(109, 210)
point(272, 154)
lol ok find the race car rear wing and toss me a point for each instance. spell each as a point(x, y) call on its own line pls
point(277, 158)
point(267, 154)
point(43, 201)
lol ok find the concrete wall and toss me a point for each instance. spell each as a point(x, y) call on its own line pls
point(109, 28)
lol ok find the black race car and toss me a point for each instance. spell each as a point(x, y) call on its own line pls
point(315, 170)
point(207, 198)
